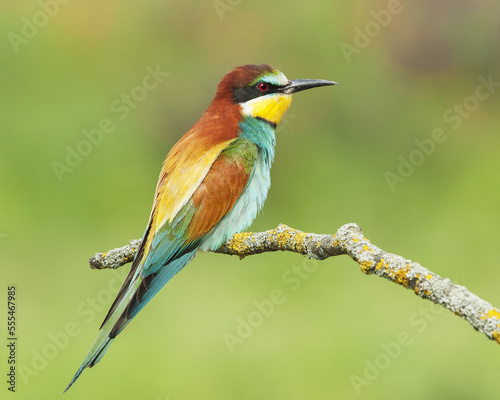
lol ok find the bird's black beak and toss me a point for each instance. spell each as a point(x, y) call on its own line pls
point(297, 85)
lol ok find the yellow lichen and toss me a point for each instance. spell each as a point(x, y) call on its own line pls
point(335, 242)
point(427, 292)
point(283, 238)
point(366, 248)
point(496, 336)
point(491, 313)
point(428, 277)
point(237, 244)
point(400, 276)
point(380, 264)
point(299, 242)
point(365, 266)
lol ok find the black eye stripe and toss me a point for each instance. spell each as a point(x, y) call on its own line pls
point(241, 95)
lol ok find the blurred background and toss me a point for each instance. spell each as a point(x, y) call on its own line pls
point(93, 96)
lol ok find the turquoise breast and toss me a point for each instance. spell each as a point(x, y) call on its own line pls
point(254, 195)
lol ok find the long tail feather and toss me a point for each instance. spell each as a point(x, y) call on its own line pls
point(91, 359)
point(140, 291)
point(104, 340)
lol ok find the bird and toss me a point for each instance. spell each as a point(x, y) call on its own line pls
point(212, 185)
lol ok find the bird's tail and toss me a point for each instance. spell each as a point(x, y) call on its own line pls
point(135, 293)
point(106, 335)
point(93, 356)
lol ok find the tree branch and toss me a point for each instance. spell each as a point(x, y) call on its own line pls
point(349, 240)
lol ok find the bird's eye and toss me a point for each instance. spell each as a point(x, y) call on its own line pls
point(263, 87)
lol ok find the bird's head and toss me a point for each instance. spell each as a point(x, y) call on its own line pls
point(262, 91)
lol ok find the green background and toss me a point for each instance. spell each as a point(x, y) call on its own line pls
point(332, 158)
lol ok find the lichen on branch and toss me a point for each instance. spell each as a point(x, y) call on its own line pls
point(349, 240)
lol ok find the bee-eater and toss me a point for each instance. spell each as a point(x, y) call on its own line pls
point(211, 186)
